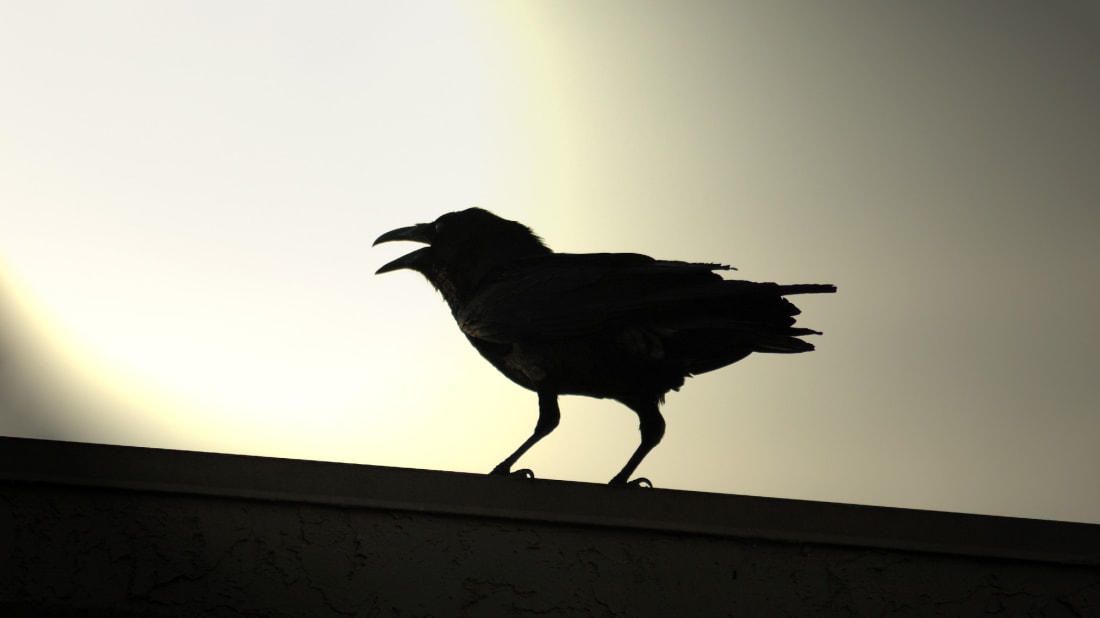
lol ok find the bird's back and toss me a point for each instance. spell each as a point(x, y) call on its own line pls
point(612, 324)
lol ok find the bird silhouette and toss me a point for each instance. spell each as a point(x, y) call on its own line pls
point(621, 326)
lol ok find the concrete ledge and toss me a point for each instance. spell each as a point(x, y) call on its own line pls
point(168, 505)
point(401, 489)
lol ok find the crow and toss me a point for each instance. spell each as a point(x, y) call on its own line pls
point(620, 326)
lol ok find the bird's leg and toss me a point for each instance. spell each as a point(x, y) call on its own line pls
point(652, 427)
point(549, 415)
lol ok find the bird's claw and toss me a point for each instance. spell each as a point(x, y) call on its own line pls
point(522, 473)
point(641, 481)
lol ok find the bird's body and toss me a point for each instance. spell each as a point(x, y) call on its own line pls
point(621, 326)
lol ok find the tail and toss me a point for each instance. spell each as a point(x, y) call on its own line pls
point(786, 341)
point(807, 288)
point(744, 317)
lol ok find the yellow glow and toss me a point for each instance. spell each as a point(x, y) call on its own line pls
point(207, 366)
point(55, 387)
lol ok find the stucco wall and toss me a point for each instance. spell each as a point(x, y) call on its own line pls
point(118, 546)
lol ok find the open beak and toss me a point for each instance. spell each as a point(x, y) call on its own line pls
point(421, 232)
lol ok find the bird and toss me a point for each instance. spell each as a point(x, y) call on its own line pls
point(620, 326)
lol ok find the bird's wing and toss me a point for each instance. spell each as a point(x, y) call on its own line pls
point(567, 295)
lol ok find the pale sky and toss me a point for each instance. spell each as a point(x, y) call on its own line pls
point(189, 191)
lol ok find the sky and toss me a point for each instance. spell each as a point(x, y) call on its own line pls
point(189, 192)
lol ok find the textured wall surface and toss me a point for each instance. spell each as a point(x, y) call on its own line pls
point(79, 549)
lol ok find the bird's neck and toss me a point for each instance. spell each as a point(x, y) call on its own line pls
point(458, 285)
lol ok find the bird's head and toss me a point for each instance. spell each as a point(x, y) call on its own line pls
point(462, 247)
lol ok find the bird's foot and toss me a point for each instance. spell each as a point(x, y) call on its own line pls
point(641, 481)
point(522, 473)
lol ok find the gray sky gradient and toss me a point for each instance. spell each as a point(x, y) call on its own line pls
point(189, 192)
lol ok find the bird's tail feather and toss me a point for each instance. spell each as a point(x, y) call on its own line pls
point(807, 288)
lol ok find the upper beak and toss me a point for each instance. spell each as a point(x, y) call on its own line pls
point(421, 232)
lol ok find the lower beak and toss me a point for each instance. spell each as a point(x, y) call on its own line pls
point(412, 261)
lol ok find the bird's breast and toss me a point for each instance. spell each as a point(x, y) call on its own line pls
point(513, 360)
point(641, 343)
point(522, 363)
